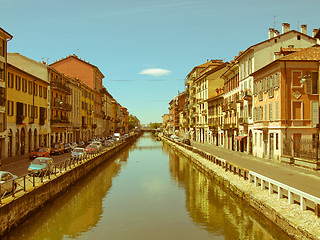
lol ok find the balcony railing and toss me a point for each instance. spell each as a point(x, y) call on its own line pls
point(243, 120)
point(61, 104)
point(60, 120)
point(60, 86)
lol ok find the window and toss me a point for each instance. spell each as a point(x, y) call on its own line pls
point(2, 71)
point(277, 141)
point(30, 87)
point(271, 111)
point(296, 77)
point(2, 47)
point(297, 110)
point(261, 139)
point(10, 80)
point(315, 113)
point(298, 37)
point(45, 92)
point(277, 110)
point(314, 88)
point(10, 108)
point(265, 112)
point(40, 91)
point(18, 82)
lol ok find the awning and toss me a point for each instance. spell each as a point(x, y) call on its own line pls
point(239, 138)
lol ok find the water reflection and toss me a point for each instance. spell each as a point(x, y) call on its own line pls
point(146, 192)
point(76, 211)
point(214, 209)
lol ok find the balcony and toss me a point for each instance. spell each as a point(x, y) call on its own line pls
point(229, 126)
point(2, 101)
point(58, 103)
point(243, 120)
point(61, 87)
point(61, 119)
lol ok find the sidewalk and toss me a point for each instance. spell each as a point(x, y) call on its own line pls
point(303, 179)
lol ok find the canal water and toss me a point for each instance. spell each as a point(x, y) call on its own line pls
point(147, 192)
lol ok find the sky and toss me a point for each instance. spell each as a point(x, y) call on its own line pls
point(146, 48)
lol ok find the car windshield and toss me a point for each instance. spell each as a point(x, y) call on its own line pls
point(78, 150)
point(40, 150)
point(91, 146)
point(40, 161)
point(56, 146)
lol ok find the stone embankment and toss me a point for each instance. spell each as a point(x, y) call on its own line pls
point(14, 211)
point(289, 217)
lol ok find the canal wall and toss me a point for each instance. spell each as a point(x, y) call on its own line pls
point(22, 207)
point(290, 218)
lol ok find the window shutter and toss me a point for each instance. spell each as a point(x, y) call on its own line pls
point(277, 111)
point(309, 85)
point(315, 113)
point(271, 111)
point(265, 112)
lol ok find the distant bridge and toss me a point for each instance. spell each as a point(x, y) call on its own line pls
point(149, 130)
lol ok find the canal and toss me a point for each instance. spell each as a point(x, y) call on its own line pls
point(147, 192)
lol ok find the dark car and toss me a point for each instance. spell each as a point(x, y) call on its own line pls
point(186, 141)
point(67, 147)
point(81, 144)
point(57, 148)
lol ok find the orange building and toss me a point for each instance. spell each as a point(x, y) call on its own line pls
point(286, 106)
point(91, 76)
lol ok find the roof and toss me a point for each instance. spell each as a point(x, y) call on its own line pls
point(281, 35)
point(79, 59)
point(8, 35)
point(204, 65)
point(307, 54)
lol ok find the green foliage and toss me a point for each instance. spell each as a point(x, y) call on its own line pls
point(155, 125)
point(132, 122)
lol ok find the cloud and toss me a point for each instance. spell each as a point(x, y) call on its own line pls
point(156, 72)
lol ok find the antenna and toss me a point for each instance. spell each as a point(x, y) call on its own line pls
point(274, 21)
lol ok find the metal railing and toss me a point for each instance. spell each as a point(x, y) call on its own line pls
point(26, 183)
point(294, 196)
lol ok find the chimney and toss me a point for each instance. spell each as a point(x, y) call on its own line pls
point(314, 32)
point(285, 27)
point(271, 33)
point(304, 29)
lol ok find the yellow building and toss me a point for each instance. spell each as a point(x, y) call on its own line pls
point(4, 37)
point(27, 105)
point(87, 113)
point(59, 107)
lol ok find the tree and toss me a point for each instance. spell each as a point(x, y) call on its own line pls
point(132, 122)
point(155, 125)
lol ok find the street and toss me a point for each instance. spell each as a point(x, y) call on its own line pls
point(19, 165)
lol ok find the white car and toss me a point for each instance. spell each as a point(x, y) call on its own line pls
point(78, 152)
point(98, 144)
point(7, 182)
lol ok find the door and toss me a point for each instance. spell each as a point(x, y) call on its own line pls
point(271, 146)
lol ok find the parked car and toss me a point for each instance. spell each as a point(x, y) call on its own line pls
point(91, 148)
point(7, 182)
point(67, 147)
point(99, 145)
point(40, 166)
point(73, 145)
point(40, 152)
point(57, 148)
point(175, 138)
point(82, 144)
point(78, 152)
point(186, 141)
